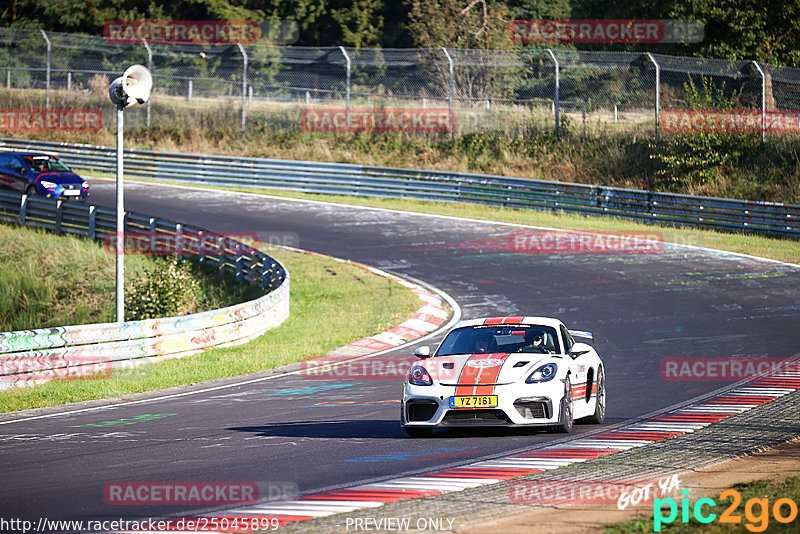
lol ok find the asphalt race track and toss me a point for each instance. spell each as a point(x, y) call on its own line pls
point(642, 308)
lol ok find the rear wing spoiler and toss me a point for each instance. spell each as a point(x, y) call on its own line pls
point(581, 333)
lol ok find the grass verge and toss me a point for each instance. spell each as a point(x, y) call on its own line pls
point(50, 280)
point(782, 249)
point(332, 303)
point(750, 517)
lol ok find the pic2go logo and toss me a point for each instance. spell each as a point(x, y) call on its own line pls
point(756, 511)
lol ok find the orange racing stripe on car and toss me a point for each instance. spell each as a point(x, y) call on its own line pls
point(471, 378)
point(517, 319)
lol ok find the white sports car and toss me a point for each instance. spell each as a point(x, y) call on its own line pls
point(510, 371)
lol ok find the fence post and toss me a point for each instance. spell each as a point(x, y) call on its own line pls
point(189, 91)
point(556, 96)
point(450, 98)
point(47, 97)
point(69, 82)
point(150, 68)
point(658, 93)
point(347, 58)
point(244, 85)
point(763, 101)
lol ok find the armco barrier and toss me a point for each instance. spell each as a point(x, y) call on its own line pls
point(346, 179)
point(34, 355)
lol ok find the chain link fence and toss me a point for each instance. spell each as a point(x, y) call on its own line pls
point(259, 87)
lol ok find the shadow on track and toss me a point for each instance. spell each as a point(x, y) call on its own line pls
point(389, 428)
point(354, 428)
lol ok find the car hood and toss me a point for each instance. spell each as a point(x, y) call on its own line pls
point(60, 177)
point(484, 369)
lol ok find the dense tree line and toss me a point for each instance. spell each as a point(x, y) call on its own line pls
point(766, 30)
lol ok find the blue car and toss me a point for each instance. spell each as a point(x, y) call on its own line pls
point(34, 173)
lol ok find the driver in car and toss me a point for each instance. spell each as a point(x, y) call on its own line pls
point(481, 344)
point(536, 344)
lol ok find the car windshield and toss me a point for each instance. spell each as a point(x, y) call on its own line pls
point(524, 338)
point(45, 164)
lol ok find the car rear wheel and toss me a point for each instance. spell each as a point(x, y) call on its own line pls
point(414, 432)
point(599, 414)
point(566, 414)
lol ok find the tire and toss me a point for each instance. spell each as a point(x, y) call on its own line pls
point(599, 414)
point(566, 412)
point(31, 191)
point(415, 432)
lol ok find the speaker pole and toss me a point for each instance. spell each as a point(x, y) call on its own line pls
point(120, 292)
point(133, 86)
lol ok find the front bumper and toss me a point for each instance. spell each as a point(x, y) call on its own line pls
point(518, 404)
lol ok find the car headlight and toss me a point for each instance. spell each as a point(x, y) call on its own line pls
point(544, 373)
point(85, 185)
point(419, 376)
point(48, 185)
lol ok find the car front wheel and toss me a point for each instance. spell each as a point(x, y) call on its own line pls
point(31, 191)
point(599, 414)
point(566, 414)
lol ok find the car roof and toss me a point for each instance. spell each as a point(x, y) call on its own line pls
point(511, 320)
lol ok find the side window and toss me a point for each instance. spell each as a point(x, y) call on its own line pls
point(4, 160)
point(568, 341)
point(15, 164)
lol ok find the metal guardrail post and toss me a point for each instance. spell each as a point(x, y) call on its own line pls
point(556, 97)
point(47, 97)
point(239, 269)
point(450, 70)
point(23, 209)
point(763, 101)
point(59, 216)
point(92, 222)
point(658, 93)
point(179, 240)
point(150, 68)
point(347, 58)
point(244, 85)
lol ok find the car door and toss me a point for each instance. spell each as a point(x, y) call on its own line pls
point(17, 172)
point(12, 173)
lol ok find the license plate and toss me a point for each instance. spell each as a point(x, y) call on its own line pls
point(71, 193)
point(474, 401)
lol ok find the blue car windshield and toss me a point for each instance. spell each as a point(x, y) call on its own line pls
point(45, 164)
point(524, 338)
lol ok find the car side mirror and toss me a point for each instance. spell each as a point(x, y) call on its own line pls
point(422, 352)
point(579, 349)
